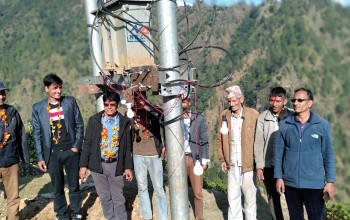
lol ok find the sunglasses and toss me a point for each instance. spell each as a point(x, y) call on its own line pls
point(110, 104)
point(298, 100)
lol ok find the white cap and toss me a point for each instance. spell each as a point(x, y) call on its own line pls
point(234, 92)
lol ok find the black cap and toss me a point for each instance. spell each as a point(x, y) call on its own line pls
point(2, 86)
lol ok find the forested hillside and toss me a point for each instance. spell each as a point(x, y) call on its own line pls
point(40, 37)
point(291, 43)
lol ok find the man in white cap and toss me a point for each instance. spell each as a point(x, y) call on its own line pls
point(235, 151)
point(13, 148)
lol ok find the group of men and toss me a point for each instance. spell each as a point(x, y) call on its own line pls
point(112, 147)
point(291, 151)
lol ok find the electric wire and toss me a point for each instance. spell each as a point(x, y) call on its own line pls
point(187, 62)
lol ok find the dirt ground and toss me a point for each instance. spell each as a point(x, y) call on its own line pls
point(36, 202)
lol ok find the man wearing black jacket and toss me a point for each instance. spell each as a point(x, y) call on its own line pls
point(107, 154)
point(13, 148)
point(196, 148)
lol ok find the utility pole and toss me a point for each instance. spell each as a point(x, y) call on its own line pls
point(127, 54)
point(95, 45)
point(169, 58)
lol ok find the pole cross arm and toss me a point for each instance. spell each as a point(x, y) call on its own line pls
point(141, 78)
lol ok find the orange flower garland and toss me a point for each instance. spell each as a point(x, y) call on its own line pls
point(109, 150)
point(145, 133)
point(7, 135)
point(138, 126)
point(58, 125)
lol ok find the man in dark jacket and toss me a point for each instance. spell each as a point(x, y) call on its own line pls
point(196, 150)
point(13, 148)
point(58, 134)
point(107, 154)
point(304, 159)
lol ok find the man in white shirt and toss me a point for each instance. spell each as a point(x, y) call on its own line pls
point(235, 151)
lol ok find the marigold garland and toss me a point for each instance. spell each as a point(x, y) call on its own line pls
point(7, 135)
point(58, 125)
point(109, 149)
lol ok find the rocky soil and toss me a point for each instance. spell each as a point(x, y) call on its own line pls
point(36, 201)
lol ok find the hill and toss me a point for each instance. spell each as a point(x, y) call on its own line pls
point(290, 43)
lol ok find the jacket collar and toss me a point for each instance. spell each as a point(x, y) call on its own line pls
point(270, 117)
point(122, 120)
point(314, 119)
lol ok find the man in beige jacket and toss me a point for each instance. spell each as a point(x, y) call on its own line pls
point(265, 135)
point(235, 151)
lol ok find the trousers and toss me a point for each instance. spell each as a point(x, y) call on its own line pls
point(239, 184)
point(197, 185)
point(10, 176)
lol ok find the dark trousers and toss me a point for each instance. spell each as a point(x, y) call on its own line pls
point(69, 161)
point(311, 198)
point(272, 195)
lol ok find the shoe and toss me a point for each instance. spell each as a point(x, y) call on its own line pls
point(77, 217)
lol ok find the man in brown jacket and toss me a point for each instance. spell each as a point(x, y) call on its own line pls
point(235, 151)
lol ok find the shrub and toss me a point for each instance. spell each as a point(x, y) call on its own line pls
point(338, 211)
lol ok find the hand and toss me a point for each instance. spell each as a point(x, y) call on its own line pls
point(224, 166)
point(83, 173)
point(260, 175)
point(204, 167)
point(42, 166)
point(146, 107)
point(128, 175)
point(280, 186)
point(163, 154)
point(75, 150)
point(329, 188)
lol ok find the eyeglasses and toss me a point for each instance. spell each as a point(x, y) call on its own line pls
point(299, 100)
point(110, 104)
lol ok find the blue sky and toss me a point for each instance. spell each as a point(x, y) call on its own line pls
point(344, 2)
point(228, 3)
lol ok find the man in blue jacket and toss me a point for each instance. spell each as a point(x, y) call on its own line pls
point(304, 159)
point(13, 148)
point(58, 135)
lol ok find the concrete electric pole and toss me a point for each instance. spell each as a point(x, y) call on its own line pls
point(174, 137)
point(94, 40)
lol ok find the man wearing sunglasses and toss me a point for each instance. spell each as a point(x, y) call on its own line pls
point(304, 159)
point(107, 154)
point(265, 136)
